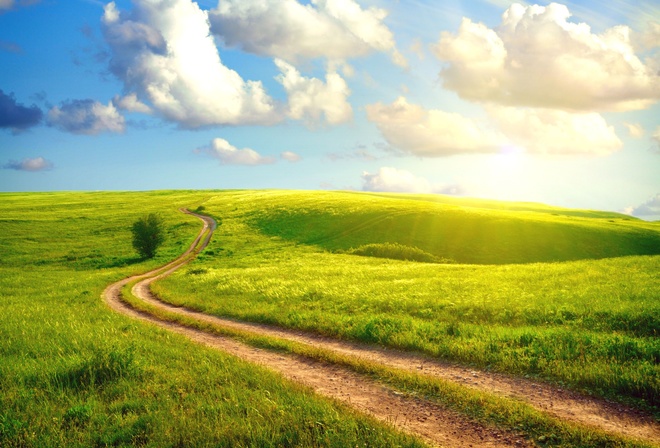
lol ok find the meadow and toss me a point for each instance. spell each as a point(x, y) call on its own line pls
point(74, 373)
point(568, 296)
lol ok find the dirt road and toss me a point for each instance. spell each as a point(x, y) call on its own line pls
point(434, 424)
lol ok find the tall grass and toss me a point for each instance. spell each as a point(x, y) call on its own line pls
point(74, 373)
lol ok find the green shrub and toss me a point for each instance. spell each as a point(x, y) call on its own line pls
point(148, 235)
point(397, 251)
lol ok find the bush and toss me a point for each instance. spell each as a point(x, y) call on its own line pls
point(397, 252)
point(148, 235)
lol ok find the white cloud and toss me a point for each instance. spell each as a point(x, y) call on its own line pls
point(228, 154)
point(634, 129)
point(87, 117)
point(287, 29)
point(650, 208)
point(544, 131)
point(131, 103)
point(291, 156)
point(430, 133)
point(537, 58)
point(163, 51)
point(310, 99)
point(394, 180)
point(435, 133)
point(35, 164)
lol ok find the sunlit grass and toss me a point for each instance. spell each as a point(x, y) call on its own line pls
point(589, 324)
point(74, 373)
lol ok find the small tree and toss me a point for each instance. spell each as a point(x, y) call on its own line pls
point(148, 235)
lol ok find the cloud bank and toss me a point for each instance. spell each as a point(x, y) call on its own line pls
point(15, 116)
point(35, 164)
point(436, 133)
point(536, 57)
point(163, 52)
point(430, 133)
point(544, 131)
point(86, 117)
point(292, 31)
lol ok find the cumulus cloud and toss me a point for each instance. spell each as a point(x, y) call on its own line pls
point(436, 133)
point(650, 208)
point(291, 156)
point(394, 180)
point(430, 133)
point(311, 99)
point(163, 51)
point(544, 131)
point(35, 164)
point(15, 116)
point(538, 58)
point(292, 31)
point(130, 103)
point(87, 117)
point(228, 154)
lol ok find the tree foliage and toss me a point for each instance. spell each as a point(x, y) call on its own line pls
point(148, 235)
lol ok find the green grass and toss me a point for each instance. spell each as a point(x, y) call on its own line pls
point(566, 295)
point(465, 233)
point(486, 408)
point(74, 373)
point(589, 323)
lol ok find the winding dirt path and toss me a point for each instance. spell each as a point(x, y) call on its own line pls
point(433, 423)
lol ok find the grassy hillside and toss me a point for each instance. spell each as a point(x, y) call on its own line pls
point(74, 373)
point(467, 231)
point(591, 324)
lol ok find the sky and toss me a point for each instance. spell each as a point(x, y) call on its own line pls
point(557, 103)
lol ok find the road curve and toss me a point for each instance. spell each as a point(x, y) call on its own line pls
point(434, 424)
point(427, 420)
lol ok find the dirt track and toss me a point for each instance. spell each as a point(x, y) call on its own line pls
point(434, 424)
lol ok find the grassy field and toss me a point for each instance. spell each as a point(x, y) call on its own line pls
point(73, 373)
point(566, 295)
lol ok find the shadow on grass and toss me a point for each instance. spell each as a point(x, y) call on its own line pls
point(102, 367)
point(95, 261)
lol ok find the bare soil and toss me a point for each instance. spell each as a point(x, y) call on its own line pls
point(431, 422)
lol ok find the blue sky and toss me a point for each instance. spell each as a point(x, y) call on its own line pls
point(546, 102)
